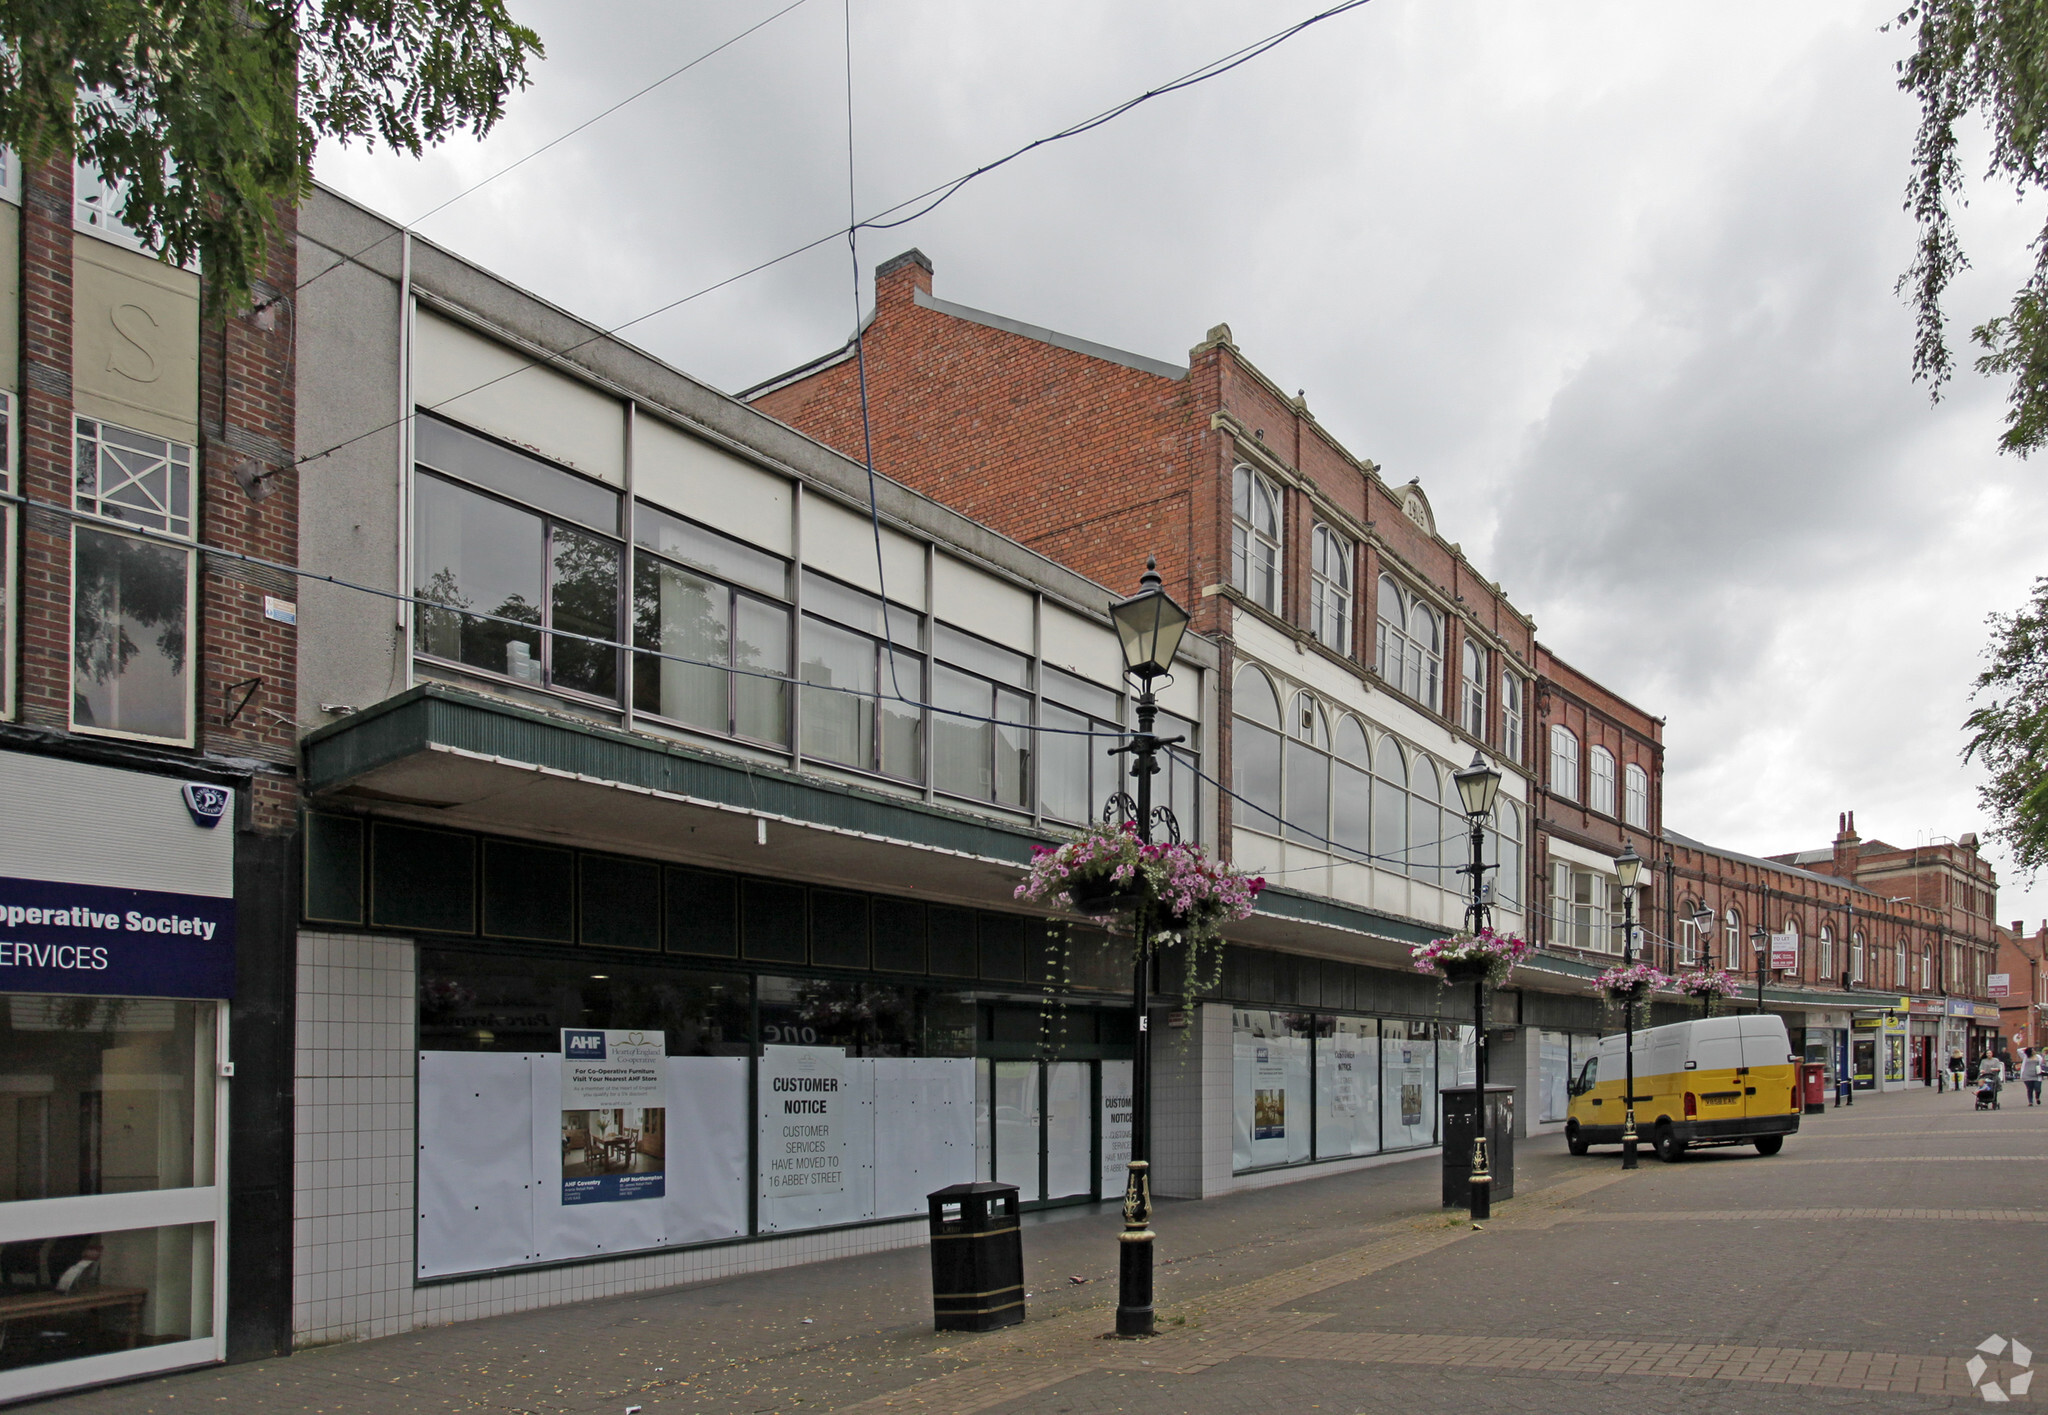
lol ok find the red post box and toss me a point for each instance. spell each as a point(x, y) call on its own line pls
point(1813, 1077)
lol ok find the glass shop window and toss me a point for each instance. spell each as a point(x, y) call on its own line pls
point(1270, 1091)
point(1347, 1087)
point(710, 605)
point(529, 545)
point(1408, 1080)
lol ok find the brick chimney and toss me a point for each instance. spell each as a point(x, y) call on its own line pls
point(898, 276)
point(1846, 843)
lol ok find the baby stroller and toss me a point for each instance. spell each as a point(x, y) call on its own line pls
point(1987, 1093)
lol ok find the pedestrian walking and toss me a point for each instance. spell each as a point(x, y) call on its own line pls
point(2031, 1068)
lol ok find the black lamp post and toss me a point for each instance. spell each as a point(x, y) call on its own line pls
point(1149, 626)
point(1628, 868)
point(1761, 942)
point(1703, 928)
point(1478, 784)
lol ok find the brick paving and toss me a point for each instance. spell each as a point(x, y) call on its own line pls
point(1867, 1272)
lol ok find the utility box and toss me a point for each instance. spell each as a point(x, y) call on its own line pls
point(977, 1257)
point(1462, 1106)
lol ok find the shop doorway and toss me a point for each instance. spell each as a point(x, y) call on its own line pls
point(1863, 1062)
point(1041, 1130)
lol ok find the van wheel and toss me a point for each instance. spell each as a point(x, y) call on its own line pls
point(1574, 1141)
point(1670, 1148)
point(1770, 1144)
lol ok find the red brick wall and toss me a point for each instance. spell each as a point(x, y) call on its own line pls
point(246, 409)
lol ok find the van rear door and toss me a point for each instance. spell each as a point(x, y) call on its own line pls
point(1715, 1074)
point(1767, 1052)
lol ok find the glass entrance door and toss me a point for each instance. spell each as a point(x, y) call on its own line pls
point(1042, 1128)
point(111, 1194)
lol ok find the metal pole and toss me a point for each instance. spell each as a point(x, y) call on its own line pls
point(1628, 1014)
point(1134, 1250)
point(1480, 1190)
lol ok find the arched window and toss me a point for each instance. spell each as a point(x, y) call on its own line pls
point(1255, 751)
point(1600, 764)
point(1824, 962)
point(1564, 763)
point(1308, 772)
point(1688, 939)
point(1255, 537)
point(1798, 957)
point(1329, 590)
point(1856, 956)
point(1900, 978)
point(1507, 880)
point(1733, 948)
point(1511, 716)
point(1390, 807)
point(1926, 969)
point(1351, 789)
point(1425, 820)
point(1454, 852)
point(1635, 796)
point(1409, 653)
point(1472, 691)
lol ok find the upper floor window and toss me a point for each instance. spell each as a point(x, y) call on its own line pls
point(1688, 940)
point(1409, 653)
point(1635, 796)
point(1899, 975)
point(1511, 716)
point(1927, 974)
point(1255, 750)
point(867, 648)
point(1584, 907)
point(716, 613)
point(972, 755)
point(132, 598)
point(1307, 787)
point(1075, 777)
point(1733, 948)
point(1856, 956)
point(1600, 776)
point(1255, 538)
point(1472, 691)
point(1507, 856)
point(1330, 590)
point(1824, 955)
point(1798, 955)
point(1564, 762)
point(517, 563)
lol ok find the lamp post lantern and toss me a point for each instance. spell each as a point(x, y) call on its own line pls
point(1628, 868)
point(1149, 626)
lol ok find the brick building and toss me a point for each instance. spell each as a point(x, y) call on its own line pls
point(2022, 998)
point(147, 757)
point(1364, 657)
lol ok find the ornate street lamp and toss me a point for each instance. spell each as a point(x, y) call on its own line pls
point(1760, 940)
point(1478, 784)
point(1149, 626)
point(1628, 868)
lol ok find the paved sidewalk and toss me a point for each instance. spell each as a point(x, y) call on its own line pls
point(1856, 1271)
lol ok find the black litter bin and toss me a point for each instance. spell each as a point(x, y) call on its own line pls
point(977, 1258)
point(1461, 1124)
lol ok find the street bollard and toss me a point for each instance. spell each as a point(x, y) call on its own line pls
point(1481, 1180)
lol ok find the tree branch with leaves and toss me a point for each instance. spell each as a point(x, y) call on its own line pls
point(206, 113)
point(1986, 59)
point(2009, 733)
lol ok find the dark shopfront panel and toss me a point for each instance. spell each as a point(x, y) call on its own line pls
point(913, 1030)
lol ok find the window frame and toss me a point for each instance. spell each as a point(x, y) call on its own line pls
point(622, 599)
point(1331, 595)
point(995, 690)
point(1403, 663)
point(1635, 796)
point(95, 520)
point(735, 594)
point(886, 644)
point(1567, 760)
point(1600, 772)
point(1246, 537)
point(1472, 690)
point(1511, 720)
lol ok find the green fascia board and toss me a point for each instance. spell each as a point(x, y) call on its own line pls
point(434, 715)
point(1291, 904)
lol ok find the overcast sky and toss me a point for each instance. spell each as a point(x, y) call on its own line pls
point(1614, 280)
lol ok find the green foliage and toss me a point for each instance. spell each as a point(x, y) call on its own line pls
point(1988, 59)
point(207, 112)
point(2010, 731)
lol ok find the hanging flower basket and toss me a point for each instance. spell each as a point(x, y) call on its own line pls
point(1633, 983)
point(1708, 984)
point(1179, 893)
point(1470, 958)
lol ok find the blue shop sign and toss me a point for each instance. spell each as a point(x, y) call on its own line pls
point(86, 939)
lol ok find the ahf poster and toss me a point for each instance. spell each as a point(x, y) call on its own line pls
point(1269, 1097)
point(614, 1115)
